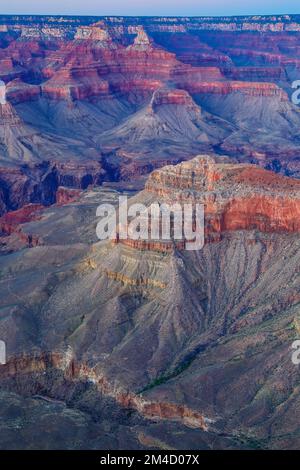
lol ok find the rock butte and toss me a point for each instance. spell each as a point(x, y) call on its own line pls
point(235, 197)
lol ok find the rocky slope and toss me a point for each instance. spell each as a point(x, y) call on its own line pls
point(170, 334)
point(170, 123)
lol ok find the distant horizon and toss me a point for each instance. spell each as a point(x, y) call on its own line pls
point(151, 8)
point(148, 16)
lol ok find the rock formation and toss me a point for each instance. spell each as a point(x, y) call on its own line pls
point(146, 343)
point(235, 197)
point(142, 41)
point(66, 195)
point(74, 83)
point(11, 224)
point(20, 92)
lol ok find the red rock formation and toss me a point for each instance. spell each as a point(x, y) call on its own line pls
point(268, 58)
point(183, 74)
point(6, 65)
point(75, 82)
point(235, 197)
point(95, 64)
point(94, 67)
point(91, 62)
point(23, 53)
point(21, 216)
point(26, 364)
point(66, 195)
point(246, 88)
point(95, 32)
point(165, 96)
point(105, 60)
point(263, 213)
point(270, 201)
point(11, 223)
point(40, 182)
point(79, 175)
point(19, 92)
point(141, 41)
point(268, 74)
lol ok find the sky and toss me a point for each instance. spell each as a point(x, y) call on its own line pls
point(149, 7)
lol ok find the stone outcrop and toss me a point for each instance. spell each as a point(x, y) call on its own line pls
point(177, 97)
point(46, 183)
point(20, 92)
point(89, 70)
point(66, 195)
point(75, 83)
point(8, 116)
point(247, 88)
point(95, 32)
point(235, 197)
point(141, 41)
point(39, 363)
point(11, 223)
point(138, 282)
point(252, 73)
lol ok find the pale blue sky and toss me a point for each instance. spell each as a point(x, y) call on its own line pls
point(149, 7)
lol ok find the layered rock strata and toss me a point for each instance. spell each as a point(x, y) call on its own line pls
point(235, 197)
